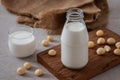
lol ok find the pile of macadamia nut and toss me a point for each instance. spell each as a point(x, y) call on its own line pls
point(45, 42)
point(27, 66)
point(107, 44)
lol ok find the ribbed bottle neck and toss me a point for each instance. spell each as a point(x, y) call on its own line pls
point(75, 14)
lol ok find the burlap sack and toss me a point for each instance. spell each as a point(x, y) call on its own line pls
point(51, 14)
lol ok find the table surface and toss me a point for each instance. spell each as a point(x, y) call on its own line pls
point(9, 63)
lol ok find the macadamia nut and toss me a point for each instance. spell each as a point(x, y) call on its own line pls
point(101, 40)
point(45, 42)
point(117, 51)
point(52, 52)
point(91, 44)
point(50, 38)
point(117, 45)
point(111, 41)
point(100, 33)
point(107, 48)
point(100, 51)
point(27, 65)
point(38, 72)
point(21, 71)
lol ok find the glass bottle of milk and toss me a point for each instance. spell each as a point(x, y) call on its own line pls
point(74, 40)
point(21, 41)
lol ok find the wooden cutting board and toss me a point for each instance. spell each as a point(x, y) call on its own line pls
point(96, 65)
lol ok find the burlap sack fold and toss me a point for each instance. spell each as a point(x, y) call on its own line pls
point(51, 14)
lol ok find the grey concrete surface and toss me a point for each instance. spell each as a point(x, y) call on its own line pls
point(9, 63)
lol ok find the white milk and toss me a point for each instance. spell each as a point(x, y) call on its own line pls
point(74, 45)
point(21, 43)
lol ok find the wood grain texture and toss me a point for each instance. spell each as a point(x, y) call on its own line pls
point(96, 65)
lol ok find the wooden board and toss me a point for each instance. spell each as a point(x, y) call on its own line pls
point(96, 65)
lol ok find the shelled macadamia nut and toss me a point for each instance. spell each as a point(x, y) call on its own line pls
point(45, 42)
point(91, 44)
point(50, 38)
point(52, 52)
point(117, 52)
point(100, 51)
point(107, 48)
point(111, 41)
point(27, 65)
point(117, 45)
point(21, 71)
point(100, 33)
point(101, 40)
point(38, 72)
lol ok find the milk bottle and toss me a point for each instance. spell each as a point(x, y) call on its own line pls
point(74, 40)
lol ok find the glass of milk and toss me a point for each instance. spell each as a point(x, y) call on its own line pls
point(21, 41)
point(74, 40)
